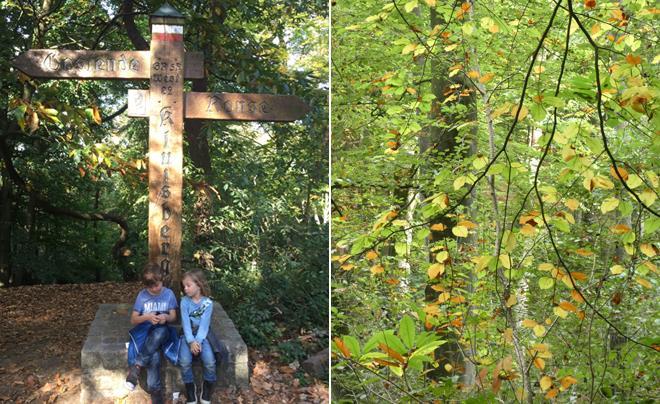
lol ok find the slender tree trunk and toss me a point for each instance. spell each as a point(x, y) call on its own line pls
point(442, 144)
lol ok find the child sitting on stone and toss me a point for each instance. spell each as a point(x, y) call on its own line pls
point(154, 307)
point(196, 311)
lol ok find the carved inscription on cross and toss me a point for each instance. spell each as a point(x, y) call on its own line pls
point(166, 65)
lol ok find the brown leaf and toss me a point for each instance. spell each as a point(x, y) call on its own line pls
point(392, 353)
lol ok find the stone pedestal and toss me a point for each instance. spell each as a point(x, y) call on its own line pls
point(104, 366)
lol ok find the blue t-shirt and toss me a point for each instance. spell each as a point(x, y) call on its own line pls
point(196, 315)
point(161, 303)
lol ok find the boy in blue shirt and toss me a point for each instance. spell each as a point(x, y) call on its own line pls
point(154, 307)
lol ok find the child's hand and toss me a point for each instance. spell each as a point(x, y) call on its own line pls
point(154, 318)
point(195, 348)
point(162, 318)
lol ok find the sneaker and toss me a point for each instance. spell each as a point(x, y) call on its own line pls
point(157, 397)
point(207, 392)
point(132, 378)
point(191, 393)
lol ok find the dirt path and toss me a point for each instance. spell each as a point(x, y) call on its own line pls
point(42, 330)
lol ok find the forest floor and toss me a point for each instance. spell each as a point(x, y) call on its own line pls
point(43, 328)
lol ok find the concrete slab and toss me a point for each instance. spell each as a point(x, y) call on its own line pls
point(104, 366)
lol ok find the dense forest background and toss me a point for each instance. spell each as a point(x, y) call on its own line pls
point(73, 200)
point(494, 193)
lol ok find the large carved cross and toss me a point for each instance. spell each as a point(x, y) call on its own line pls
point(166, 65)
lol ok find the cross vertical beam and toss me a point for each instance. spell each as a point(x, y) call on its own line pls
point(165, 143)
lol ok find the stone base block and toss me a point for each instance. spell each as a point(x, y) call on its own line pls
point(104, 366)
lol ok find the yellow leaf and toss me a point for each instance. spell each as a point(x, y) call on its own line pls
point(448, 367)
point(603, 182)
point(643, 282)
point(511, 300)
point(409, 48)
point(539, 330)
point(347, 267)
point(539, 363)
point(572, 204)
point(529, 323)
point(648, 250)
point(546, 267)
point(566, 382)
point(377, 269)
point(96, 114)
point(505, 260)
point(579, 276)
point(442, 256)
point(486, 78)
point(443, 297)
point(527, 230)
point(634, 181)
point(481, 262)
point(460, 231)
point(473, 74)
point(559, 312)
point(622, 171)
point(467, 223)
point(589, 184)
point(435, 270)
point(546, 383)
point(647, 196)
point(432, 309)
point(523, 112)
point(438, 227)
point(371, 255)
point(609, 204)
point(620, 229)
point(617, 269)
point(431, 3)
point(538, 69)
point(508, 335)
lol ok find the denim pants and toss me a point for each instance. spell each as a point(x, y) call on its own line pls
point(208, 362)
point(149, 357)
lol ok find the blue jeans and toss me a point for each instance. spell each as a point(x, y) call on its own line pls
point(208, 362)
point(149, 357)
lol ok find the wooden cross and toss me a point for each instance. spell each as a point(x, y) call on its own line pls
point(166, 65)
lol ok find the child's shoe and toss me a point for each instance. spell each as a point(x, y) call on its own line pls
point(191, 393)
point(157, 397)
point(132, 378)
point(207, 392)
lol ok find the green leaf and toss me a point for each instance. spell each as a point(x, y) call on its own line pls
point(537, 111)
point(410, 6)
point(428, 348)
point(407, 331)
point(546, 283)
point(401, 248)
point(352, 344)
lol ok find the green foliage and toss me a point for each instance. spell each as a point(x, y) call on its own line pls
point(475, 191)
